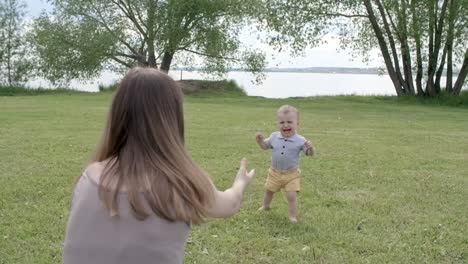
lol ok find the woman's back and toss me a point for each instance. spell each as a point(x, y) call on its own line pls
point(134, 203)
point(93, 236)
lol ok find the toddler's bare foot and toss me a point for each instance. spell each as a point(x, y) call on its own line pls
point(264, 208)
point(293, 220)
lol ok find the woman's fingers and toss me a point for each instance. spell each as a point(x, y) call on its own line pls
point(243, 174)
point(243, 164)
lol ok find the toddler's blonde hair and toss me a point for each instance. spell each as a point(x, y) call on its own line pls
point(284, 109)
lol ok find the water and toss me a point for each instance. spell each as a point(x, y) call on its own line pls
point(276, 84)
point(290, 84)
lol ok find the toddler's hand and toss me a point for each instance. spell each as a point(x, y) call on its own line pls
point(259, 137)
point(308, 144)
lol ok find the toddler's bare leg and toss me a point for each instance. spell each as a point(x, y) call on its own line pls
point(267, 200)
point(292, 206)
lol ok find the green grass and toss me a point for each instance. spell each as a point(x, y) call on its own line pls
point(20, 90)
point(389, 183)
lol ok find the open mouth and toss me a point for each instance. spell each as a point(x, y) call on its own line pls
point(286, 130)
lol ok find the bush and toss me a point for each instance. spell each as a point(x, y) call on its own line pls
point(110, 87)
point(204, 87)
point(442, 99)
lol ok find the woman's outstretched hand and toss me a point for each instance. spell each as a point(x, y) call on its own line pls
point(243, 177)
point(228, 202)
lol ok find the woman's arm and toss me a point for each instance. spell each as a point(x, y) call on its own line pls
point(228, 203)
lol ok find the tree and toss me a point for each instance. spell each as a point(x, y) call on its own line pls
point(14, 65)
point(89, 35)
point(419, 36)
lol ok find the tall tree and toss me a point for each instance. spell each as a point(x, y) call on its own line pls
point(89, 35)
point(412, 35)
point(14, 65)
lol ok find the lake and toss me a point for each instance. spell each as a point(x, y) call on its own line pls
point(292, 84)
point(276, 84)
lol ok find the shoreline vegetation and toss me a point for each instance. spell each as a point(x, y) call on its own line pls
point(329, 70)
point(230, 89)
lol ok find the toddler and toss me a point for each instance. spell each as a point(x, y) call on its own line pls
point(284, 173)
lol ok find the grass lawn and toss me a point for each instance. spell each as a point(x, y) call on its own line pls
point(389, 183)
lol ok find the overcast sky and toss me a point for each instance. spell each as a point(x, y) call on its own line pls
point(323, 56)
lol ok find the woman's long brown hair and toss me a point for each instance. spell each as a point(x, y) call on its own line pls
point(144, 152)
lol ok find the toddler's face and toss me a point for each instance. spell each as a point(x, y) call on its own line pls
point(287, 123)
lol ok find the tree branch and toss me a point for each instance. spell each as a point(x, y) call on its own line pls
point(106, 26)
point(121, 62)
point(332, 14)
point(126, 10)
point(343, 15)
point(133, 18)
point(208, 55)
point(140, 18)
point(135, 57)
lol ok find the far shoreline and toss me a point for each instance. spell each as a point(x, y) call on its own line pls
point(323, 70)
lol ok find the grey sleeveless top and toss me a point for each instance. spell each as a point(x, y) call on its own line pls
point(93, 236)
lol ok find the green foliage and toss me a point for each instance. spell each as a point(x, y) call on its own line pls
point(442, 99)
point(108, 88)
point(256, 63)
point(15, 64)
point(296, 23)
point(90, 35)
point(202, 88)
point(74, 50)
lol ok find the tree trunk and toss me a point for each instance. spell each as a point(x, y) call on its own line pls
point(383, 48)
point(9, 46)
point(448, 83)
point(440, 70)
point(430, 81)
point(434, 53)
point(152, 59)
point(151, 12)
point(166, 61)
point(461, 76)
point(451, 25)
point(405, 53)
point(417, 39)
point(391, 42)
point(9, 66)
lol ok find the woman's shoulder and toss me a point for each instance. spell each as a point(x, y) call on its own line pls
point(86, 184)
point(93, 171)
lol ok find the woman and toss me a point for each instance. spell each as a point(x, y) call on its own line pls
point(136, 201)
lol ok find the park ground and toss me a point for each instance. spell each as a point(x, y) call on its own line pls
point(389, 182)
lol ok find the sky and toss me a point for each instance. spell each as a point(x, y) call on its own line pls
point(327, 55)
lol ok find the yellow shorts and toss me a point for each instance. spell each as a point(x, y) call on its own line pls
point(287, 180)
